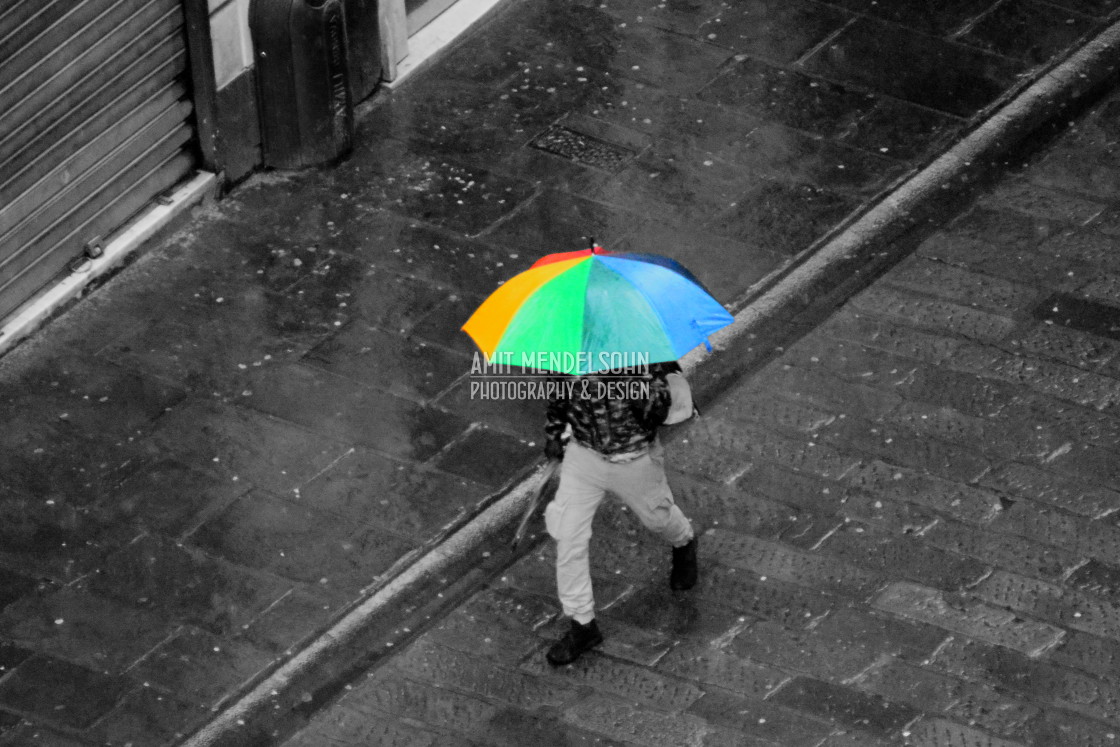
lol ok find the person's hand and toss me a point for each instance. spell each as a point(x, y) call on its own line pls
point(554, 449)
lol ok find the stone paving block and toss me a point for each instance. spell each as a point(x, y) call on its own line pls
point(28, 733)
point(889, 335)
point(1087, 653)
point(891, 482)
point(388, 693)
point(10, 656)
point(800, 651)
point(968, 617)
point(1096, 578)
point(886, 514)
point(1035, 483)
point(1002, 669)
point(962, 286)
point(901, 639)
point(779, 413)
point(906, 556)
point(84, 629)
point(946, 424)
point(348, 728)
point(817, 494)
point(817, 386)
point(1088, 246)
point(934, 314)
point(760, 720)
point(634, 724)
point(898, 446)
point(1003, 551)
point(1046, 601)
point(1047, 377)
point(61, 693)
point(735, 507)
point(1062, 422)
point(963, 701)
point(1031, 199)
point(769, 600)
point(13, 586)
point(628, 681)
point(751, 443)
point(201, 666)
point(429, 661)
point(169, 579)
point(632, 643)
point(1074, 533)
point(286, 538)
point(148, 716)
point(845, 706)
point(1055, 342)
point(710, 663)
point(993, 256)
point(776, 560)
point(292, 620)
point(1088, 463)
point(970, 393)
point(941, 732)
point(1063, 727)
point(671, 616)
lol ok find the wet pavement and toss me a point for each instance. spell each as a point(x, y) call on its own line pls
point(907, 514)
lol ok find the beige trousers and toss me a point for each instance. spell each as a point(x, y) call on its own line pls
point(585, 477)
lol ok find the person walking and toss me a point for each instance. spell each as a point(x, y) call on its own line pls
point(613, 447)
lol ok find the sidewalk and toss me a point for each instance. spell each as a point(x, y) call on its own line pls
point(909, 525)
point(267, 418)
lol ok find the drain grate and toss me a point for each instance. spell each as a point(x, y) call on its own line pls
point(585, 149)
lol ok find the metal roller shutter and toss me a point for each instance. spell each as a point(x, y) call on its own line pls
point(95, 121)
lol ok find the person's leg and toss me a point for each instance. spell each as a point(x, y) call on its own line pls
point(644, 488)
point(568, 519)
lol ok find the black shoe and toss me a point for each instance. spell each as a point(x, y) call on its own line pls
point(684, 573)
point(577, 640)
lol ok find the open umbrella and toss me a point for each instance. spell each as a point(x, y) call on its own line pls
point(592, 310)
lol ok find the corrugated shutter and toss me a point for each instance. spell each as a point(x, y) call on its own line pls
point(95, 121)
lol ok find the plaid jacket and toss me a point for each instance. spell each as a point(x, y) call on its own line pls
point(611, 414)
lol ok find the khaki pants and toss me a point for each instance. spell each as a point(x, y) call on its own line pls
point(585, 477)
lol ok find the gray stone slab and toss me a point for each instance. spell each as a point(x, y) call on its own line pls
point(969, 617)
point(775, 560)
point(707, 663)
point(769, 600)
point(935, 314)
point(201, 667)
point(921, 275)
point(1004, 551)
point(635, 724)
point(905, 556)
point(1018, 480)
point(891, 482)
point(1004, 669)
point(846, 706)
point(759, 720)
point(61, 693)
point(1034, 200)
point(940, 732)
point(1051, 527)
point(1066, 607)
point(297, 541)
point(84, 629)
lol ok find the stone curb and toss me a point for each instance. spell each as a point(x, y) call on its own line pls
point(1057, 90)
point(160, 217)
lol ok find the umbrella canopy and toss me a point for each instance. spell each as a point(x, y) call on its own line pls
point(593, 310)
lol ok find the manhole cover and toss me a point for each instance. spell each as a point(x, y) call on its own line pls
point(590, 151)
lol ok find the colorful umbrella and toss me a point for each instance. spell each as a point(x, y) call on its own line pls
point(593, 310)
